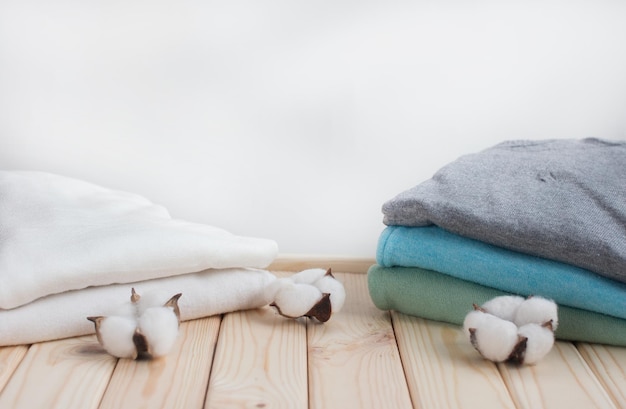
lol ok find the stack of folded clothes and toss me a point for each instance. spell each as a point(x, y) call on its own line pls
point(71, 249)
point(541, 218)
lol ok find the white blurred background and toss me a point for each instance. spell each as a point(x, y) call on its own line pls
point(296, 120)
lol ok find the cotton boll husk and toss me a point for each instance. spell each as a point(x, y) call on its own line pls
point(159, 326)
point(296, 300)
point(309, 276)
point(330, 285)
point(538, 310)
point(504, 306)
point(116, 336)
point(271, 289)
point(495, 338)
point(539, 343)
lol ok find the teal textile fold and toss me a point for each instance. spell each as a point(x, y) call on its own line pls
point(432, 295)
point(433, 248)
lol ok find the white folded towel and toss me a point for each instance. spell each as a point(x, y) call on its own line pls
point(59, 234)
point(65, 315)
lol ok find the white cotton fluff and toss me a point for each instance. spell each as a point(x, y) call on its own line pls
point(513, 328)
point(271, 289)
point(473, 319)
point(295, 300)
point(159, 325)
point(153, 298)
point(504, 306)
point(309, 276)
point(328, 284)
point(537, 310)
point(493, 337)
point(116, 336)
point(539, 343)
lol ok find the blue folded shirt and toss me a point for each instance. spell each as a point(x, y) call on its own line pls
point(436, 249)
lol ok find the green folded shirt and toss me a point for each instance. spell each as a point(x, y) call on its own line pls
point(432, 295)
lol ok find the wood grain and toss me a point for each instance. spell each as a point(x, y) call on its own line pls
point(177, 380)
point(562, 379)
point(609, 365)
point(442, 368)
point(353, 361)
point(353, 358)
point(260, 361)
point(69, 373)
point(299, 262)
point(10, 358)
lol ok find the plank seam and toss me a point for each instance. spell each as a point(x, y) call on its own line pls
point(392, 319)
point(213, 355)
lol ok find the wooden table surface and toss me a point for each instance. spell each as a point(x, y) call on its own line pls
point(361, 358)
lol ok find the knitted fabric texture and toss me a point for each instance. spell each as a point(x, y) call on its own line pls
point(559, 199)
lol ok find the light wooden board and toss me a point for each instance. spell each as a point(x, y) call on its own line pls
point(69, 373)
point(177, 380)
point(260, 361)
point(361, 358)
point(10, 358)
point(562, 379)
point(353, 358)
point(609, 365)
point(442, 368)
point(299, 262)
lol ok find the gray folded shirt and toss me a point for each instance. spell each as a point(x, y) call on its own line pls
point(562, 199)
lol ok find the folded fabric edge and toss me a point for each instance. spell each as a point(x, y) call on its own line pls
point(381, 247)
point(63, 315)
point(436, 296)
point(262, 257)
point(436, 249)
point(83, 235)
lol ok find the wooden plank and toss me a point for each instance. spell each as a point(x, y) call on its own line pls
point(299, 262)
point(353, 358)
point(69, 373)
point(178, 379)
point(260, 361)
point(444, 370)
point(10, 358)
point(560, 380)
point(609, 365)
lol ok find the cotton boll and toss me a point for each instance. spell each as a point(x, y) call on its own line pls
point(504, 306)
point(309, 276)
point(115, 334)
point(496, 339)
point(473, 319)
point(538, 310)
point(159, 327)
point(147, 324)
point(329, 285)
point(493, 337)
point(296, 300)
point(540, 340)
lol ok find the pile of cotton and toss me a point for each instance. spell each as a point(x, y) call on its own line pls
point(313, 293)
point(144, 327)
point(511, 328)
